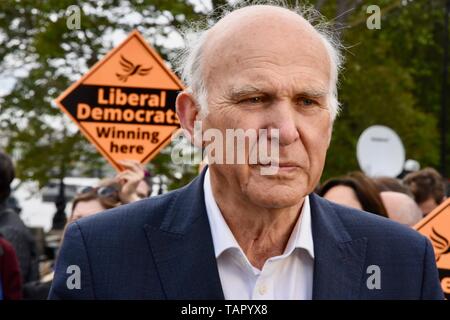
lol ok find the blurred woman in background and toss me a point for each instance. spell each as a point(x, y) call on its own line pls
point(354, 190)
point(92, 200)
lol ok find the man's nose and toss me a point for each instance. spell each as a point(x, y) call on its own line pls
point(282, 117)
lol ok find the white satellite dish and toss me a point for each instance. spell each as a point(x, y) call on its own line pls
point(380, 152)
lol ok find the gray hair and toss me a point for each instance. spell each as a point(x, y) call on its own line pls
point(189, 61)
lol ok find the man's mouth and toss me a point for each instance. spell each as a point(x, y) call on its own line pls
point(283, 166)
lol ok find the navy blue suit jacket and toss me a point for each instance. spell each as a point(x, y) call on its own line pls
point(161, 248)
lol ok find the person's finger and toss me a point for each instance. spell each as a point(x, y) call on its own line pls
point(136, 167)
point(125, 164)
point(129, 178)
point(129, 175)
point(124, 176)
point(125, 172)
point(132, 164)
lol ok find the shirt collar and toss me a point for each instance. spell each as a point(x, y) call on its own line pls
point(223, 238)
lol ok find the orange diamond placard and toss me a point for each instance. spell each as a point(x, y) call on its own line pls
point(125, 104)
point(436, 226)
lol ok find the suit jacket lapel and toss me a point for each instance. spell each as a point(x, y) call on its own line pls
point(183, 251)
point(182, 247)
point(339, 259)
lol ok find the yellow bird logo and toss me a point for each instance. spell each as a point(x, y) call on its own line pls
point(131, 69)
point(440, 243)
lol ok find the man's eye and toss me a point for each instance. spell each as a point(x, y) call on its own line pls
point(307, 102)
point(253, 100)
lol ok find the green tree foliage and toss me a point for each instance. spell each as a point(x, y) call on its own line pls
point(392, 77)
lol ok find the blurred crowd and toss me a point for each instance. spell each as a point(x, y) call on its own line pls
point(26, 272)
point(25, 268)
point(406, 200)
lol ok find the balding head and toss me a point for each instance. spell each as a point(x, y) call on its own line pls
point(288, 28)
point(401, 208)
point(249, 24)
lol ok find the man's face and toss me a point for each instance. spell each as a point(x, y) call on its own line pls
point(428, 205)
point(276, 77)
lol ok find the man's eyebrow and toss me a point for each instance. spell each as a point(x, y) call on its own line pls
point(237, 92)
point(244, 91)
point(313, 92)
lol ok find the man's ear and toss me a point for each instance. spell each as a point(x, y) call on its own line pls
point(330, 133)
point(187, 112)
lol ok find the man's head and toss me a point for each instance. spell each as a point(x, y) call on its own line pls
point(246, 73)
point(7, 175)
point(401, 208)
point(428, 188)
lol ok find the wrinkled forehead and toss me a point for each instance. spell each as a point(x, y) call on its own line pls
point(275, 35)
point(262, 17)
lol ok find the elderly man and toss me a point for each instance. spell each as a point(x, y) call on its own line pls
point(234, 232)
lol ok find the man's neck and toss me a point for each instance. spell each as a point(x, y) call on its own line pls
point(262, 233)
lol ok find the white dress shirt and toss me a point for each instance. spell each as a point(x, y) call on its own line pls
point(289, 276)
